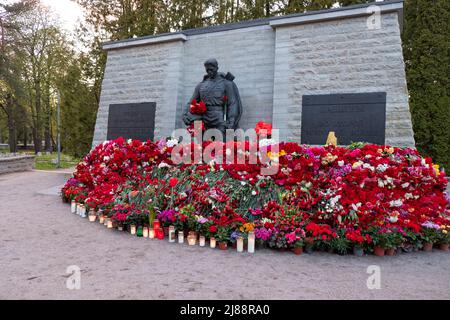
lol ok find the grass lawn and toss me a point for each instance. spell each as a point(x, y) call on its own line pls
point(48, 161)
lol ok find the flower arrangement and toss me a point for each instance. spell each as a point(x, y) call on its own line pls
point(197, 107)
point(263, 129)
point(366, 195)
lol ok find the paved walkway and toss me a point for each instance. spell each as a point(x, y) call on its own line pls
point(40, 238)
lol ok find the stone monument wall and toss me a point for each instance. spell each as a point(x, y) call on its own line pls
point(276, 61)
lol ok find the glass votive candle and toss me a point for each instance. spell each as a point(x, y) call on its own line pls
point(105, 222)
point(160, 234)
point(212, 242)
point(180, 236)
point(240, 244)
point(171, 234)
point(133, 229)
point(191, 240)
point(109, 224)
point(201, 241)
point(145, 232)
point(73, 206)
point(101, 219)
point(82, 211)
point(251, 242)
point(151, 233)
point(92, 215)
point(156, 224)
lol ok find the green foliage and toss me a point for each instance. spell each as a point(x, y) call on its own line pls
point(48, 161)
point(426, 46)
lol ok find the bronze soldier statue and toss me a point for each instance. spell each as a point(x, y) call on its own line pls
point(221, 96)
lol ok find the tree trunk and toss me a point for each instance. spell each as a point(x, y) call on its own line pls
point(25, 137)
point(37, 135)
point(12, 130)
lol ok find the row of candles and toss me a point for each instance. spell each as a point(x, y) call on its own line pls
point(158, 233)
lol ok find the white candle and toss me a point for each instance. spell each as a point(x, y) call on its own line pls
point(92, 216)
point(109, 224)
point(105, 223)
point(73, 206)
point(202, 241)
point(191, 240)
point(101, 219)
point(240, 244)
point(151, 233)
point(78, 209)
point(171, 234)
point(133, 229)
point(212, 242)
point(180, 237)
point(145, 232)
point(251, 242)
point(82, 210)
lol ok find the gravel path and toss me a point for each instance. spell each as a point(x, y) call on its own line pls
point(39, 239)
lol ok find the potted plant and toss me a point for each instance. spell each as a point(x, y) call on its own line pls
point(380, 240)
point(358, 240)
point(298, 247)
point(309, 245)
point(222, 236)
point(340, 244)
point(430, 234)
point(444, 238)
point(394, 240)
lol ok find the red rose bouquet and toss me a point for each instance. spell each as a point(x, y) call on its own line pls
point(197, 107)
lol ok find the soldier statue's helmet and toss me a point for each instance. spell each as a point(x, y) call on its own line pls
point(211, 62)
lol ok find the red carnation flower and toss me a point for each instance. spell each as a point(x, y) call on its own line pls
point(263, 128)
point(213, 229)
point(173, 182)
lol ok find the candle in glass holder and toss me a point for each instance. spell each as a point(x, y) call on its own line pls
point(77, 209)
point(240, 244)
point(145, 232)
point(212, 242)
point(139, 231)
point(202, 241)
point(156, 224)
point(73, 206)
point(251, 242)
point(133, 229)
point(151, 233)
point(180, 236)
point(101, 219)
point(109, 224)
point(82, 211)
point(105, 222)
point(92, 215)
point(191, 240)
point(160, 234)
point(171, 234)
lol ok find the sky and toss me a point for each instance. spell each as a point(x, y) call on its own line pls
point(68, 11)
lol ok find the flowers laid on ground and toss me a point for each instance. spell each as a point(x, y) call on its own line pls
point(327, 198)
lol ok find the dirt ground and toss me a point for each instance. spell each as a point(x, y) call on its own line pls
point(40, 239)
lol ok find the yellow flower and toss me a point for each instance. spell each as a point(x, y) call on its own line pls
point(282, 153)
point(436, 169)
point(356, 165)
point(444, 231)
point(247, 227)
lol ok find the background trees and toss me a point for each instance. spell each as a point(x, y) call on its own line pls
point(37, 59)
